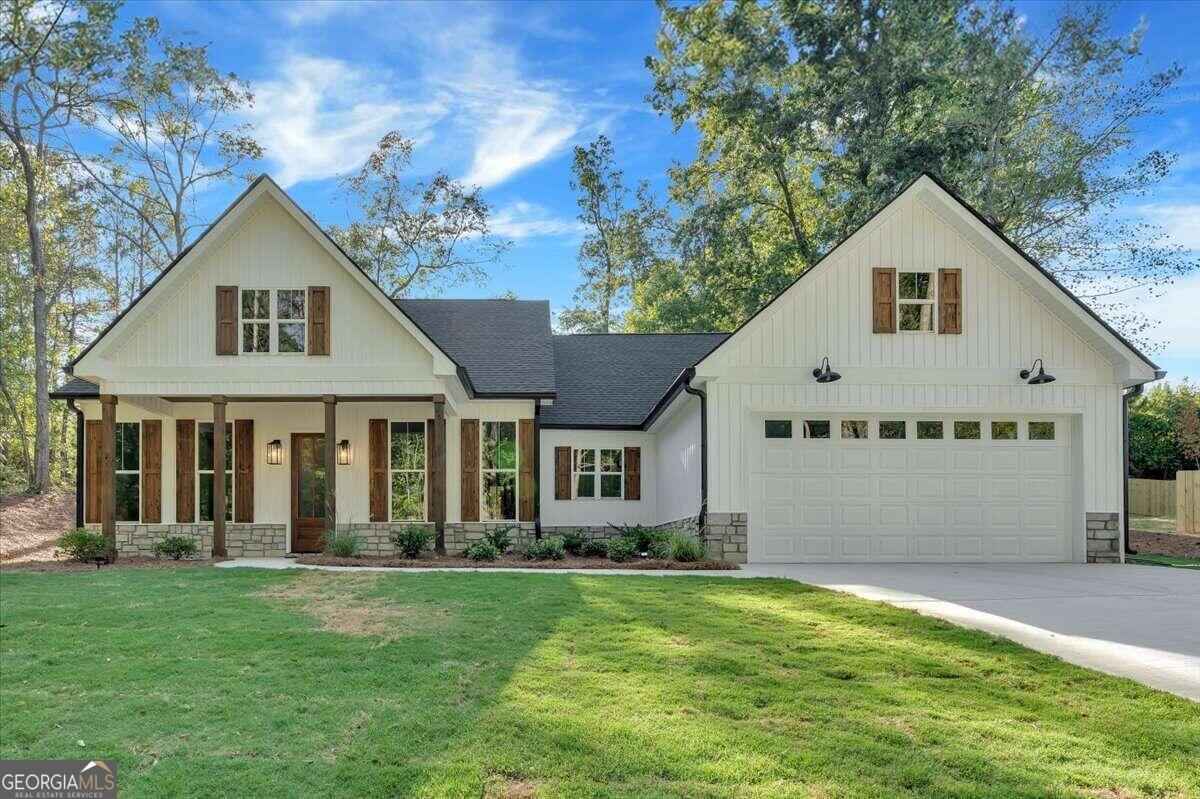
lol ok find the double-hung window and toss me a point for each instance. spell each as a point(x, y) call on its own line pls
point(498, 462)
point(204, 470)
point(408, 471)
point(273, 320)
point(916, 301)
point(598, 468)
point(127, 480)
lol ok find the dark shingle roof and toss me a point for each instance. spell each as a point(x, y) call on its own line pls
point(76, 388)
point(616, 379)
point(504, 345)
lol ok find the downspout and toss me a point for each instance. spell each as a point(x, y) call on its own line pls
point(537, 469)
point(78, 462)
point(1126, 396)
point(696, 392)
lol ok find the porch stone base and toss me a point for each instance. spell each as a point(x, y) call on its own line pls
point(241, 540)
point(461, 535)
point(1103, 538)
point(725, 536)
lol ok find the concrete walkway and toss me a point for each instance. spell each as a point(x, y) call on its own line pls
point(1141, 622)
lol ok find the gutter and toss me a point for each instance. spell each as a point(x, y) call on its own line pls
point(537, 470)
point(1133, 393)
point(78, 462)
point(696, 392)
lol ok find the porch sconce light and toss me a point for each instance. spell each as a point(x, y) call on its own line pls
point(344, 454)
point(275, 452)
point(1039, 378)
point(824, 374)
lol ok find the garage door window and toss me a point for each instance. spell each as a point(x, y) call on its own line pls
point(815, 428)
point(854, 428)
point(1041, 431)
point(967, 431)
point(892, 430)
point(1004, 431)
point(778, 428)
point(929, 430)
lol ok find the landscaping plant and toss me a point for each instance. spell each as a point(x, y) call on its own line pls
point(411, 541)
point(622, 549)
point(500, 538)
point(545, 549)
point(594, 549)
point(685, 548)
point(84, 546)
point(176, 547)
point(574, 543)
point(483, 550)
point(341, 544)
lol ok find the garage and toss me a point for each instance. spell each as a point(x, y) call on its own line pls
point(899, 487)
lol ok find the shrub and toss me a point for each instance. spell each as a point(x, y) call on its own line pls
point(643, 538)
point(574, 543)
point(500, 538)
point(341, 545)
point(84, 546)
point(685, 548)
point(483, 550)
point(622, 549)
point(594, 549)
point(545, 549)
point(659, 549)
point(176, 547)
point(411, 541)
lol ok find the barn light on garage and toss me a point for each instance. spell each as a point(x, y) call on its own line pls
point(344, 454)
point(826, 375)
point(275, 452)
point(1039, 378)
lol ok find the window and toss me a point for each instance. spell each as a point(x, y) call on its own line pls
point(1004, 431)
point(127, 481)
point(892, 429)
point(915, 300)
point(965, 431)
point(499, 470)
point(584, 478)
point(816, 428)
point(778, 428)
point(204, 470)
point(854, 428)
point(929, 430)
point(277, 326)
point(1041, 431)
point(407, 464)
point(611, 463)
point(612, 473)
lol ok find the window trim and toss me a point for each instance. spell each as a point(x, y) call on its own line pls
point(138, 472)
point(932, 301)
point(516, 470)
point(273, 320)
point(424, 470)
point(230, 474)
point(597, 472)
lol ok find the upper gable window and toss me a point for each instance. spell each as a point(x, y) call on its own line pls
point(915, 296)
point(273, 320)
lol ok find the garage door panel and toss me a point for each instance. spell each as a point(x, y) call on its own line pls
point(857, 487)
point(929, 487)
point(967, 546)
point(892, 487)
point(856, 547)
point(854, 459)
point(816, 487)
point(818, 516)
point(817, 459)
point(1003, 459)
point(890, 460)
point(970, 461)
point(931, 516)
point(927, 460)
point(782, 460)
point(779, 517)
point(893, 515)
point(966, 488)
point(855, 516)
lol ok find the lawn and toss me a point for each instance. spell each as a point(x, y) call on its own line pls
point(1165, 560)
point(256, 683)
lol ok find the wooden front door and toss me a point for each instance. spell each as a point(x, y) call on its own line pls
point(308, 491)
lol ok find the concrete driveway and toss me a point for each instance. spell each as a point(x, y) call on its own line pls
point(1141, 622)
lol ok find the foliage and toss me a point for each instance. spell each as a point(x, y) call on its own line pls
point(594, 548)
point(574, 542)
point(341, 543)
point(411, 541)
point(685, 548)
point(483, 550)
point(84, 546)
point(1164, 431)
point(176, 547)
point(643, 538)
point(659, 549)
point(622, 549)
point(500, 538)
point(545, 549)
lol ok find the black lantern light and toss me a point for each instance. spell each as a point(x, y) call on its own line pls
point(1039, 378)
point(824, 374)
point(275, 452)
point(344, 454)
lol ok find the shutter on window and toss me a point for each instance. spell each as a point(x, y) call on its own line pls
point(243, 476)
point(950, 300)
point(93, 463)
point(151, 471)
point(525, 489)
point(469, 491)
point(318, 320)
point(227, 319)
point(185, 471)
point(633, 473)
point(562, 472)
point(883, 300)
point(378, 453)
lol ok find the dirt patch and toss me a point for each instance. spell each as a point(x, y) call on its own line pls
point(512, 562)
point(30, 524)
point(121, 563)
point(1146, 543)
point(500, 786)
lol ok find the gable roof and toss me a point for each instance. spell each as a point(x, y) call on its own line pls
point(617, 380)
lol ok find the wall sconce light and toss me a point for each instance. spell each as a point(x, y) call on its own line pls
point(1039, 378)
point(824, 374)
point(275, 452)
point(344, 454)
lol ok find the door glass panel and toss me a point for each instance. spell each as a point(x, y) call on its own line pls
point(854, 428)
point(1004, 431)
point(1041, 431)
point(966, 430)
point(929, 430)
point(816, 428)
point(310, 491)
point(891, 429)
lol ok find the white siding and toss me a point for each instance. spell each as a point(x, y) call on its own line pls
point(678, 458)
point(595, 512)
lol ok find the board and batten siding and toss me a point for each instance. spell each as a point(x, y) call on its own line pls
point(678, 453)
point(597, 512)
point(767, 365)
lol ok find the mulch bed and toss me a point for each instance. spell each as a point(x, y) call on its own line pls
point(31, 524)
point(514, 562)
point(1147, 543)
point(121, 563)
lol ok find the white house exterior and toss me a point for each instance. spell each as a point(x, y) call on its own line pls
point(461, 414)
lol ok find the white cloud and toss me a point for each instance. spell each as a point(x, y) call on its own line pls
point(522, 220)
point(1180, 221)
point(311, 12)
point(527, 128)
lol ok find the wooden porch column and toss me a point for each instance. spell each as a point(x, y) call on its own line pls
point(330, 462)
point(438, 489)
point(219, 551)
point(108, 465)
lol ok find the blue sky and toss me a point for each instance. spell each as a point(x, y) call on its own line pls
point(498, 94)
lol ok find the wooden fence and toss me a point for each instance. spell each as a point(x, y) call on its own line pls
point(1187, 502)
point(1151, 497)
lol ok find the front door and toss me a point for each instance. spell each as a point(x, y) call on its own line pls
point(308, 491)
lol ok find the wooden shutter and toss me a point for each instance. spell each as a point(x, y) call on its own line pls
point(318, 320)
point(151, 471)
point(883, 300)
point(633, 473)
point(227, 320)
point(378, 455)
point(525, 458)
point(469, 490)
point(185, 471)
point(562, 472)
point(949, 300)
point(93, 464)
point(243, 474)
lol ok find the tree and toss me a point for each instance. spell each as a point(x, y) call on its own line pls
point(1164, 431)
point(415, 235)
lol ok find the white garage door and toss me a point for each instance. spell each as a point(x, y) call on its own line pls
point(905, 488)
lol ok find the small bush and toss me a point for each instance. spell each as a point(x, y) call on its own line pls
point(622, 549)
point(685, 548)
point(176, 547)
point(546, 549)
point(341, 545)
point(483, 550)
point(574, 543)
point(659, 549)
point(84, 546)
point(594, 549)
point(411, 541)
point(643, 538)
point(500, 538)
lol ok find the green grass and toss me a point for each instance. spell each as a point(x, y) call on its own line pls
point(1165, 560)
point(208, 682)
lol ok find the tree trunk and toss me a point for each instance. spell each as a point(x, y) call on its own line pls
point(41, 456)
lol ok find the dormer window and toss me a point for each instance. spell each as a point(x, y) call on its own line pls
point(916, 301)
point(273, 320)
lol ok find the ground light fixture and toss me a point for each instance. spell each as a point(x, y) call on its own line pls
point(275, 452)
point(345, 455)
point(1039, 378)
point(826, 375)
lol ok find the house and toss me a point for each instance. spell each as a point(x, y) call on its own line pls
point(924, 393)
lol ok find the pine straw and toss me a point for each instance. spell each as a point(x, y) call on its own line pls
point(432, 561)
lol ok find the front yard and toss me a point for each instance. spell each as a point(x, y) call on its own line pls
point(244, 682)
